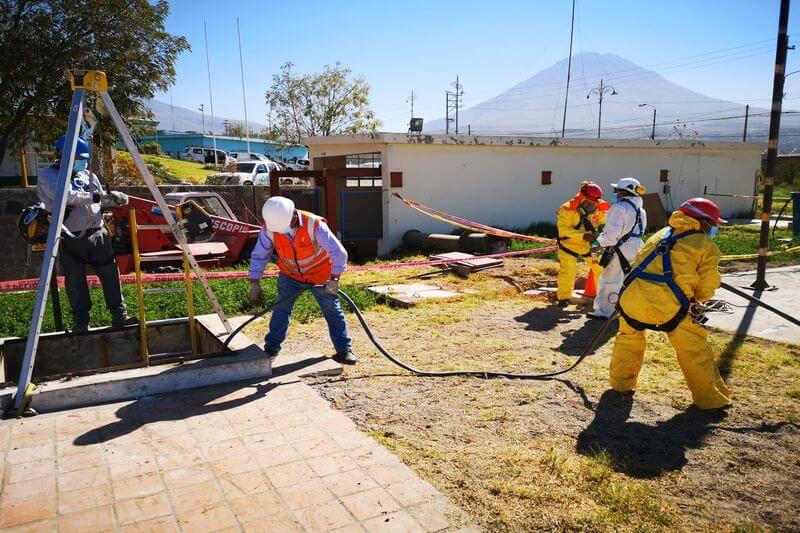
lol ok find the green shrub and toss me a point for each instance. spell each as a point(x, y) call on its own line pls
point(150, 148)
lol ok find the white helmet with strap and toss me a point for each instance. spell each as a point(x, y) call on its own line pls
point(631, 185)
point(277, 213)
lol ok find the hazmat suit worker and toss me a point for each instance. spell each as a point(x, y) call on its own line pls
point(674, 271)
point(309, 257)
point(578, 222)
point(85, 241)
point(622, 239)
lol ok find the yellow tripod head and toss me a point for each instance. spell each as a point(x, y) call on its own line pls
point(89, 80)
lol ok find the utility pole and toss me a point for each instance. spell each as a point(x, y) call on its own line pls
point(244, 98)
point(411, 99)
point(171, 110)
point(452, 103)
point(601, 90)
point(210, 96)
point(202, 109)
point(653, 131)
point(569, 71)
point(746, 115)
point(772, 145)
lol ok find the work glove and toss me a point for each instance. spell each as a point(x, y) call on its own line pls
point(588, 237)
point(332, 286)
point(256, 297)
point(114, 198)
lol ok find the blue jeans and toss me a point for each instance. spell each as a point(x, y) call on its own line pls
point(290, 289)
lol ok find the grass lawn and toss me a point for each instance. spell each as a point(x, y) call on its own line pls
point(232, 295)
point(177, 169)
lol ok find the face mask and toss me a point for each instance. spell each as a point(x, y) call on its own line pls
point(712, 233)
point(614, 198)
point(80, 165)
point(588, 208)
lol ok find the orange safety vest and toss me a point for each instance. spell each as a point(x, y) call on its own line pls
point(303, 258)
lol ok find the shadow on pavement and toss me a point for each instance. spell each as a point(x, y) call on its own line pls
point(178, 405)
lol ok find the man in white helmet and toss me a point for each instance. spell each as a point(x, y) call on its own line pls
point(309, 257)
point(622, 239)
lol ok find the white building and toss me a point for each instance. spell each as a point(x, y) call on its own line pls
point(511, 181)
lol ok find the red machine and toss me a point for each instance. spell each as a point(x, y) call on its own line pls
point(230, 242)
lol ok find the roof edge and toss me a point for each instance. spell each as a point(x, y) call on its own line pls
point(522, 141)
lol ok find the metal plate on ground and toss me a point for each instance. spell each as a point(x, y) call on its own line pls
point(412, 294)
point(468, 261)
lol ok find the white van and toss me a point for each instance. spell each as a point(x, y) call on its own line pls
point(242, 157)
point(205, 156)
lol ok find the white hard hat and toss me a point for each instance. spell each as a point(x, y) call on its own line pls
point(277, 213)
point(632, 185)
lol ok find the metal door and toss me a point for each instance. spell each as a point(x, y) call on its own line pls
point(361, 214)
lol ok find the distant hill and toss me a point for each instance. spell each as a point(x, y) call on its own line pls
point(535, 106)
point(183, 119)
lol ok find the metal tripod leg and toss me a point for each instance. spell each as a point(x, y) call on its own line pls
point(51, 249)
point(162, 204)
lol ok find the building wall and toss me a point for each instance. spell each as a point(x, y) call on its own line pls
point(174, 145)
point(501, 185)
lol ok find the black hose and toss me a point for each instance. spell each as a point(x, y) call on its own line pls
point(760, 303)
point(436, 373)
point(780, 214)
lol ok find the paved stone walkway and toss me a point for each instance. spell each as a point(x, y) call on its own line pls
point(268, 456)
point(747, 318)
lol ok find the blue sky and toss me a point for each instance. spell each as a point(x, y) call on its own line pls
point(422, 45)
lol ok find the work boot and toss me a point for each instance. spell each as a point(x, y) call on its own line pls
point(79, 328)
point(345, 357)
point(271, 352)
point(123, 322)
point(562, 303)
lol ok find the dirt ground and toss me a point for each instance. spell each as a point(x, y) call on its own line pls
point(568, 454)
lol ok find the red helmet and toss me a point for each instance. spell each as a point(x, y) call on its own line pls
point(591, 191)
point(702, 208)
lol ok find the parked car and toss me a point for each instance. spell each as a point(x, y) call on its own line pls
point(241, 157)
point(248, 173)
point(205, 156)
point(298, 163)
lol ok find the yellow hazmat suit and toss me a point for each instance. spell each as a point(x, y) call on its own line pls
point(695, 262)
point(571, 231)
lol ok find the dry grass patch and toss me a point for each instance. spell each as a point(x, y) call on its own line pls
point(568, 454)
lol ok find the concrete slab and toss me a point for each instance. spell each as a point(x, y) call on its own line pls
point(549, 293)
point(750, 319)
point(412, 294)
point(247, 361)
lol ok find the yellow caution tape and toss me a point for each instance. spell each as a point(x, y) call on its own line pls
point(755, 256)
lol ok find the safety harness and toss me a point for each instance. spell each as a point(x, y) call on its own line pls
point(637, 230)
point(663, 250)
point(587, 226)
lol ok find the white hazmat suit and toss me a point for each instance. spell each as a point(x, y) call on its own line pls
point(620, 221)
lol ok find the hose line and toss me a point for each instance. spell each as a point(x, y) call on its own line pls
point(486, 374)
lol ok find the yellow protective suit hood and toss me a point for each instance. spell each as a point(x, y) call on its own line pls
point(695, 269)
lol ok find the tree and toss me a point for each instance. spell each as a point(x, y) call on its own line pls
point(41, 38)
point(234, 129)
point(320, 104)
